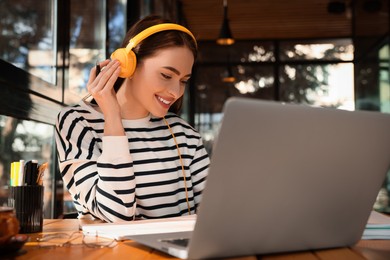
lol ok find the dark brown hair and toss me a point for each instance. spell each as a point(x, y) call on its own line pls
point(156, 42)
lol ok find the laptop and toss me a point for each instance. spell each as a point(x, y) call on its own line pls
point(285, 178)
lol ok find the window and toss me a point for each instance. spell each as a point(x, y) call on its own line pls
point(29, 36)
point(315, 72)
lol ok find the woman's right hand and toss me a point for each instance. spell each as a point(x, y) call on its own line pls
point(101, 87)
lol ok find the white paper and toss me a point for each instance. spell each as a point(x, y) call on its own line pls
point(140, 227)
point(378, 227)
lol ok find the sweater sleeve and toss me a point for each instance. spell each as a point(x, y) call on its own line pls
point(97, 171)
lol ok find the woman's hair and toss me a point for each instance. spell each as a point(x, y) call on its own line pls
point(155, 42)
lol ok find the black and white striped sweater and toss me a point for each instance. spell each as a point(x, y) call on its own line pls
point(111, 176)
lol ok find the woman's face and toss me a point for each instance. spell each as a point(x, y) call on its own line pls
point(159, 81)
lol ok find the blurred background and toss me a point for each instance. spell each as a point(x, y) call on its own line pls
point(318, 52)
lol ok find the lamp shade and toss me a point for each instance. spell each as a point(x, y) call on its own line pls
point(228, 75)
point(225, 34)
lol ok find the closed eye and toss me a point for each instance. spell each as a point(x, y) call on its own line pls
point(165, 76)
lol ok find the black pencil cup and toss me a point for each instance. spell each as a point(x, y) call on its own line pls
point(27, 202)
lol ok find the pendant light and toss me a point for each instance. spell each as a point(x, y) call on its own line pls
point(228, 75)
point(225, 35)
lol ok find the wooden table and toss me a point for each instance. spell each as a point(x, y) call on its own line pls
point(365, 249)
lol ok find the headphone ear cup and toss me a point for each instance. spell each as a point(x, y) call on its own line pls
point(128, 62)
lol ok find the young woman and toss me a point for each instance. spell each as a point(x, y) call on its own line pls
point(127, 154)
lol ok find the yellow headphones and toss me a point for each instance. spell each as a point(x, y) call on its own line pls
point(127, 57)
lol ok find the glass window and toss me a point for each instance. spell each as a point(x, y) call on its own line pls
point(212, 90)
point(314, 72)
point(250, 81)
point(87, 45)
point(89, 42)
point(28, 36)
point(245, 51)
point(116, 24)
point(208, 126)
point(336, 49)
point(255, 81)
point(327, 85)
point(26, 140)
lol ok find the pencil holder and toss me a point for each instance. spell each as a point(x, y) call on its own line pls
point(27, 202)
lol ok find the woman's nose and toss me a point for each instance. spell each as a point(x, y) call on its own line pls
point(176, 89)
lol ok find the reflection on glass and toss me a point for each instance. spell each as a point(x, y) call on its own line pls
point(211, 93)
point(87, 44)
point(245, 51)
point(259, 53)
point(329, 85)
point(325, 50)
point(88, 40)
point(28, 38)
point(208, 126)
point(27, 140)
point(116, 24)
point(255, 81)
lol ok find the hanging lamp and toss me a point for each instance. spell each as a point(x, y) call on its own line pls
point(225, 34)
point(228, 76)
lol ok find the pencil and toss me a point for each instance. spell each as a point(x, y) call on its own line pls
point(98, 69)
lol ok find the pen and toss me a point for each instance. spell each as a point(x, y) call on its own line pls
point(34, 172)
point(16, 173)
point(21, 173)
point(98, 69)
point(12, 172)
point(28, 173)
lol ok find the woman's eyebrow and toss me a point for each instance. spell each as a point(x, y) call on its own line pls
point(175, 71)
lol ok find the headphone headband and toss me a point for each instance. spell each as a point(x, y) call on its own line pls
point(127, 57)
point(155, 29)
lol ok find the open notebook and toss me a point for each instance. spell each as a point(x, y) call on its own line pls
point(378, 227)
point(122, 230)
point(284, 178)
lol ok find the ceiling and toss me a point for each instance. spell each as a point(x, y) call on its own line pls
point(282, 19)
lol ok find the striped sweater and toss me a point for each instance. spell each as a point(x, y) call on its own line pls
point(117, 178)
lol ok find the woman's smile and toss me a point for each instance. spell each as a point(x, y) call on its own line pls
point(164, 102)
